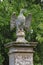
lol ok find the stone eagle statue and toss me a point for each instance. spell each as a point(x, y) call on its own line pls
point(21, 21)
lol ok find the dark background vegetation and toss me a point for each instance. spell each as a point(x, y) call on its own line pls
point(7, 7)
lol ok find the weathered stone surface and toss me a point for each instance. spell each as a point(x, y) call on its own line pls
point(20, 44)
point(11, 59)
point(21, 50)
point(23, 59)
point(21, 53)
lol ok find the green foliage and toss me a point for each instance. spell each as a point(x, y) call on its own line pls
point(7, 7)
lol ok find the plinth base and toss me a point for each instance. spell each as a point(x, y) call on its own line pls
point(21, 53)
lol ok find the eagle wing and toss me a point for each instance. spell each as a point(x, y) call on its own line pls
point(13, 21)
point(28, 21)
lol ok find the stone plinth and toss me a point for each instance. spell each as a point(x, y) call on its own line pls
point(21, 53)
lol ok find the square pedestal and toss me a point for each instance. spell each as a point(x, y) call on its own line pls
point(21, 54)
point(21, 59)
